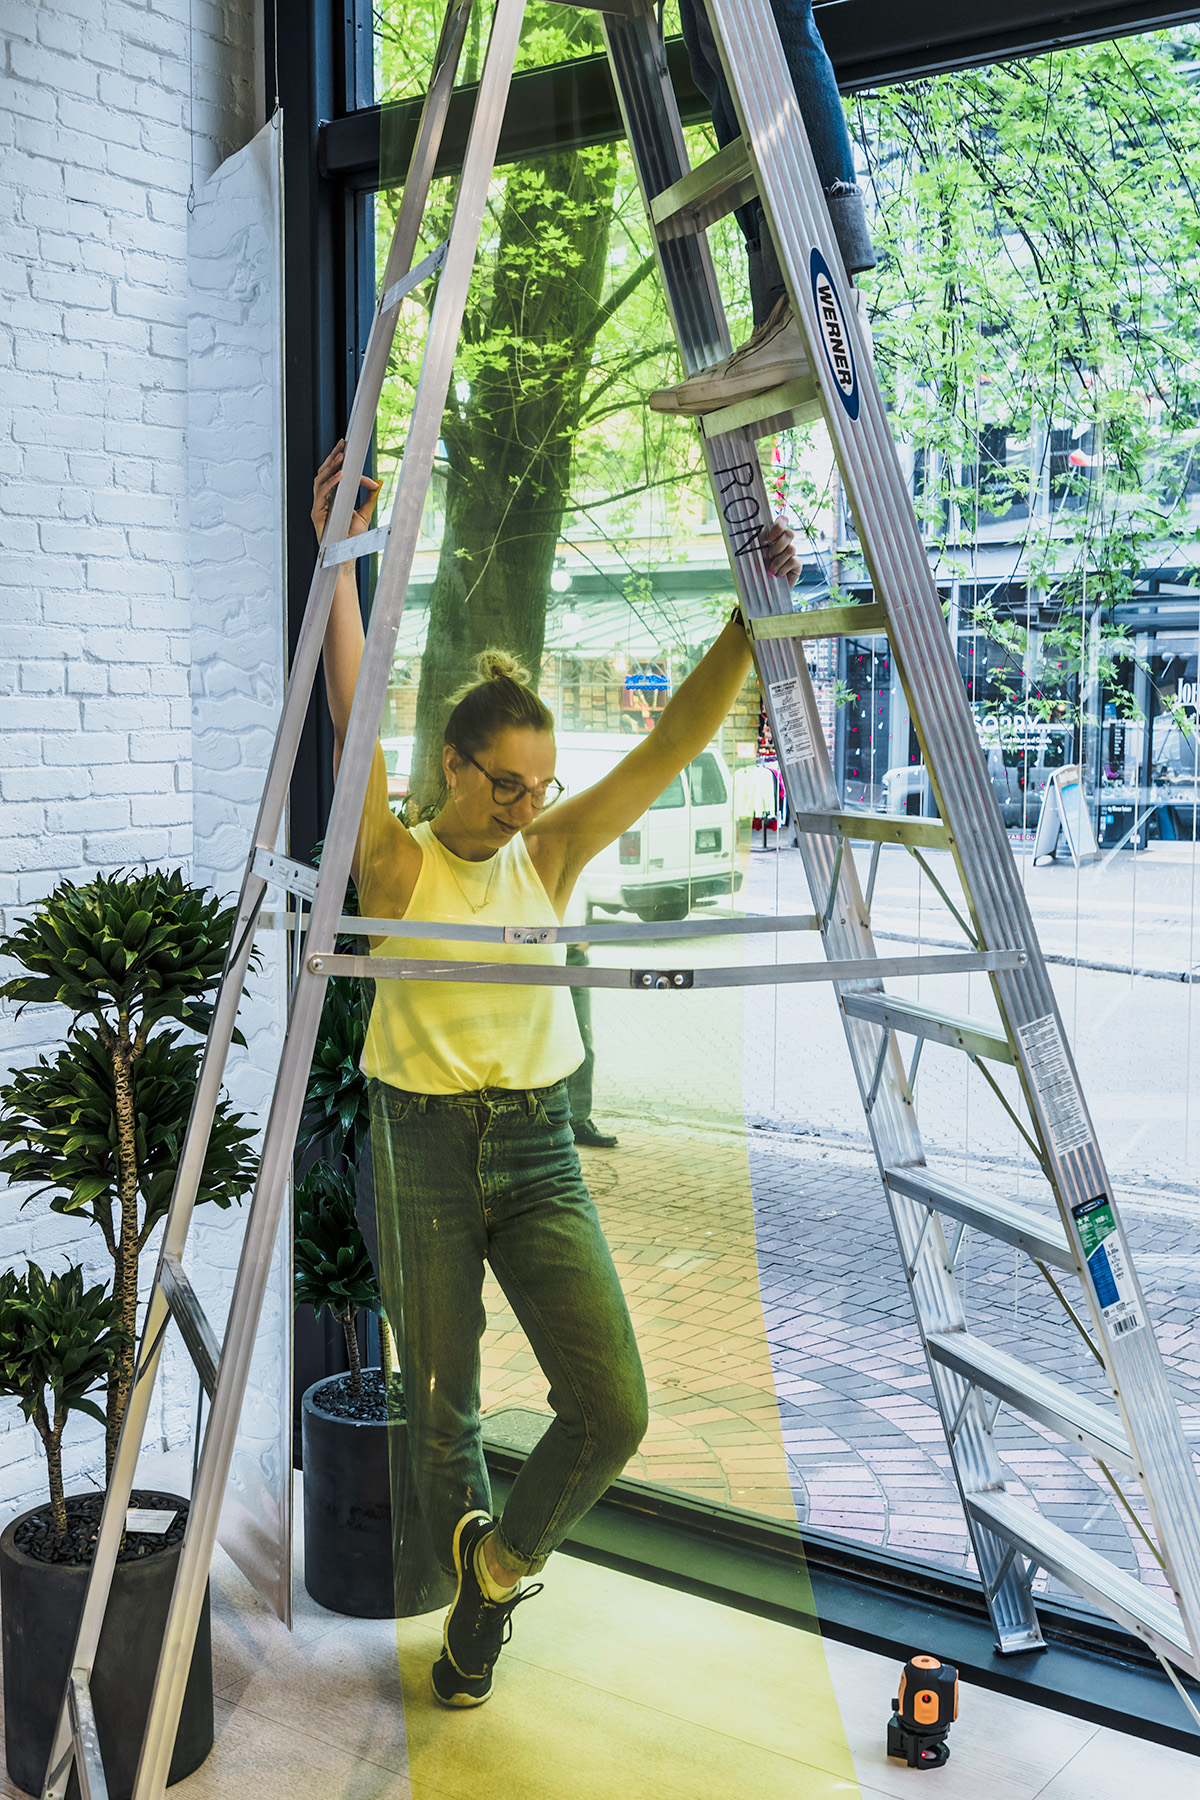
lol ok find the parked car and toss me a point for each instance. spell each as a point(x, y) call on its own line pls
point(679, 854)
point(1020, 768)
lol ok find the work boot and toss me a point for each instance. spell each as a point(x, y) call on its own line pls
point(477, 1628)
point(772, 354)
point(587, 1133)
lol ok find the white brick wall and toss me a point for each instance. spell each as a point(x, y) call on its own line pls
point(110, 111)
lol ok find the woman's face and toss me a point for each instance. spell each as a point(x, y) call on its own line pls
point(518, 757)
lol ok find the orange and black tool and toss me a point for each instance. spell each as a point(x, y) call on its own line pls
point(925, 1709)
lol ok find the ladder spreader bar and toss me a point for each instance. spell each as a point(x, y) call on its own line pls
point(390, 968)
point(1042, 1239)
point(1040, 1397)
point(822, 622)
point(706, 193)
point(922, 1021)
point(351, 925)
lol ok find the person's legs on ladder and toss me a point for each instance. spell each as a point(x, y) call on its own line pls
point(775, 352)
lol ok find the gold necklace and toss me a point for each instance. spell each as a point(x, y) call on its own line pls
point(458, 884)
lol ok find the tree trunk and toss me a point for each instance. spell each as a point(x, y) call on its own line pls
point(509, 444)
point(125, 1274)
point(385, 1347)
point(52, 1441)
point(349, 1320)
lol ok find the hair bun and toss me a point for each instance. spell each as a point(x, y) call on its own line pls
point(498, 665)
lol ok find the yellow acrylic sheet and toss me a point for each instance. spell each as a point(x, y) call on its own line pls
point(612, 1686)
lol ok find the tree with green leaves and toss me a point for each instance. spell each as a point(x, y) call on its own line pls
point(1037, 336)
point(60, 1340)
point(98, 1128)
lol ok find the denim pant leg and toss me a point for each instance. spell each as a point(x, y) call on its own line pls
point(579, 1083)
point(824, 122)
point(432, 1243)
point(549, 1254)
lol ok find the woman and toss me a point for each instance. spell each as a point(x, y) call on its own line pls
point(471, 1126)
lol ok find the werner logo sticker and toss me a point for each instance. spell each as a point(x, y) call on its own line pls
point(834, 335)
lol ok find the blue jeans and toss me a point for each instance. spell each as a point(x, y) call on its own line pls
point(494, 1175)
point(824, 122)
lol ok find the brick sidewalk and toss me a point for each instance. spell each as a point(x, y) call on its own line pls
point(782, 1360)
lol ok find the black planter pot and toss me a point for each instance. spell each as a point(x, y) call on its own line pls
point(40, 1606)
point(349, 1482)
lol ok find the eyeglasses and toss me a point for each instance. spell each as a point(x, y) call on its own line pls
point(509, 793)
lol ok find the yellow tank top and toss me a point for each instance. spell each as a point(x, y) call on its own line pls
point(444, 1037)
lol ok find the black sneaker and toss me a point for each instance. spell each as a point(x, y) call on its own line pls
point(586, 1133)
point(476, 1628)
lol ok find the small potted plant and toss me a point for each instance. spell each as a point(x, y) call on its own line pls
point(96, 1130)
point(366, 1549)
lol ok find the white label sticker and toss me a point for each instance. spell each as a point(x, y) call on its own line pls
point(793, 739)
point(1111, 1275)
point(144, 1518)
point(1057, 1089)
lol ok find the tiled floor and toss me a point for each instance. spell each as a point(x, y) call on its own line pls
point(615, 1689)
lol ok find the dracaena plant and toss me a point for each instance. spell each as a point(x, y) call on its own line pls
point(333, 1269)
point(58, 1342)
point(97, 1128)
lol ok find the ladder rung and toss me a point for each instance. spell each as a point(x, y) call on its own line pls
point(922, 1021)
point(89, 1764)
point(1120, 1595)
point(1098, 1432)
point(1042, 1239)
point(884, 828)
point(189, 1315)
point(706, 193)
point(822, 622)
point(295, 877)
point(795, 403)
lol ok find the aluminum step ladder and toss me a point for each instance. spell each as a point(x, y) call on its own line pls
point(1143, 1435)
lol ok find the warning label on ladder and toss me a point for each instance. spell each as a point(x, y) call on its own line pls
point(1056, 1086)
point(790, 728)
point(1116, 1295)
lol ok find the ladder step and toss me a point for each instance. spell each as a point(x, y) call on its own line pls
point(883, 828)
point(1097, 1431)
point(1042, 1239)
point(706, 193)
point(189, 1315)
point(795, 403)
point(1120, 1595)
point(822, 622)
point(923, 1022)
point(89, 1764)
point(295, 877)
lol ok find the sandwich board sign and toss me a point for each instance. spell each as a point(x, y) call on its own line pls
point(1064, 808)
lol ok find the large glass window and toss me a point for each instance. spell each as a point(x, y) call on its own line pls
point(1036, 341)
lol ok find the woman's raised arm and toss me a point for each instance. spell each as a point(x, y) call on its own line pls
point(384, 846)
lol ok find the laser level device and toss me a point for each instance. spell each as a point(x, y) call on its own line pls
point(925, 1709)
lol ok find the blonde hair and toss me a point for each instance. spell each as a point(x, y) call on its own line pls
point(498, 697)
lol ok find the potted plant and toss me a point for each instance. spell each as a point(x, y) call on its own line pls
point(96, 1130)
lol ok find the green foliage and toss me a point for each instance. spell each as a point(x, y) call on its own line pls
point(60, 1340)
point(144, 947)
point(336, 1108)
point(98, 1128)
point(59, 1120)
point(1041, 254)
point(333, 1270)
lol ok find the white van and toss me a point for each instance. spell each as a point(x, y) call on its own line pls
point(678, 854)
